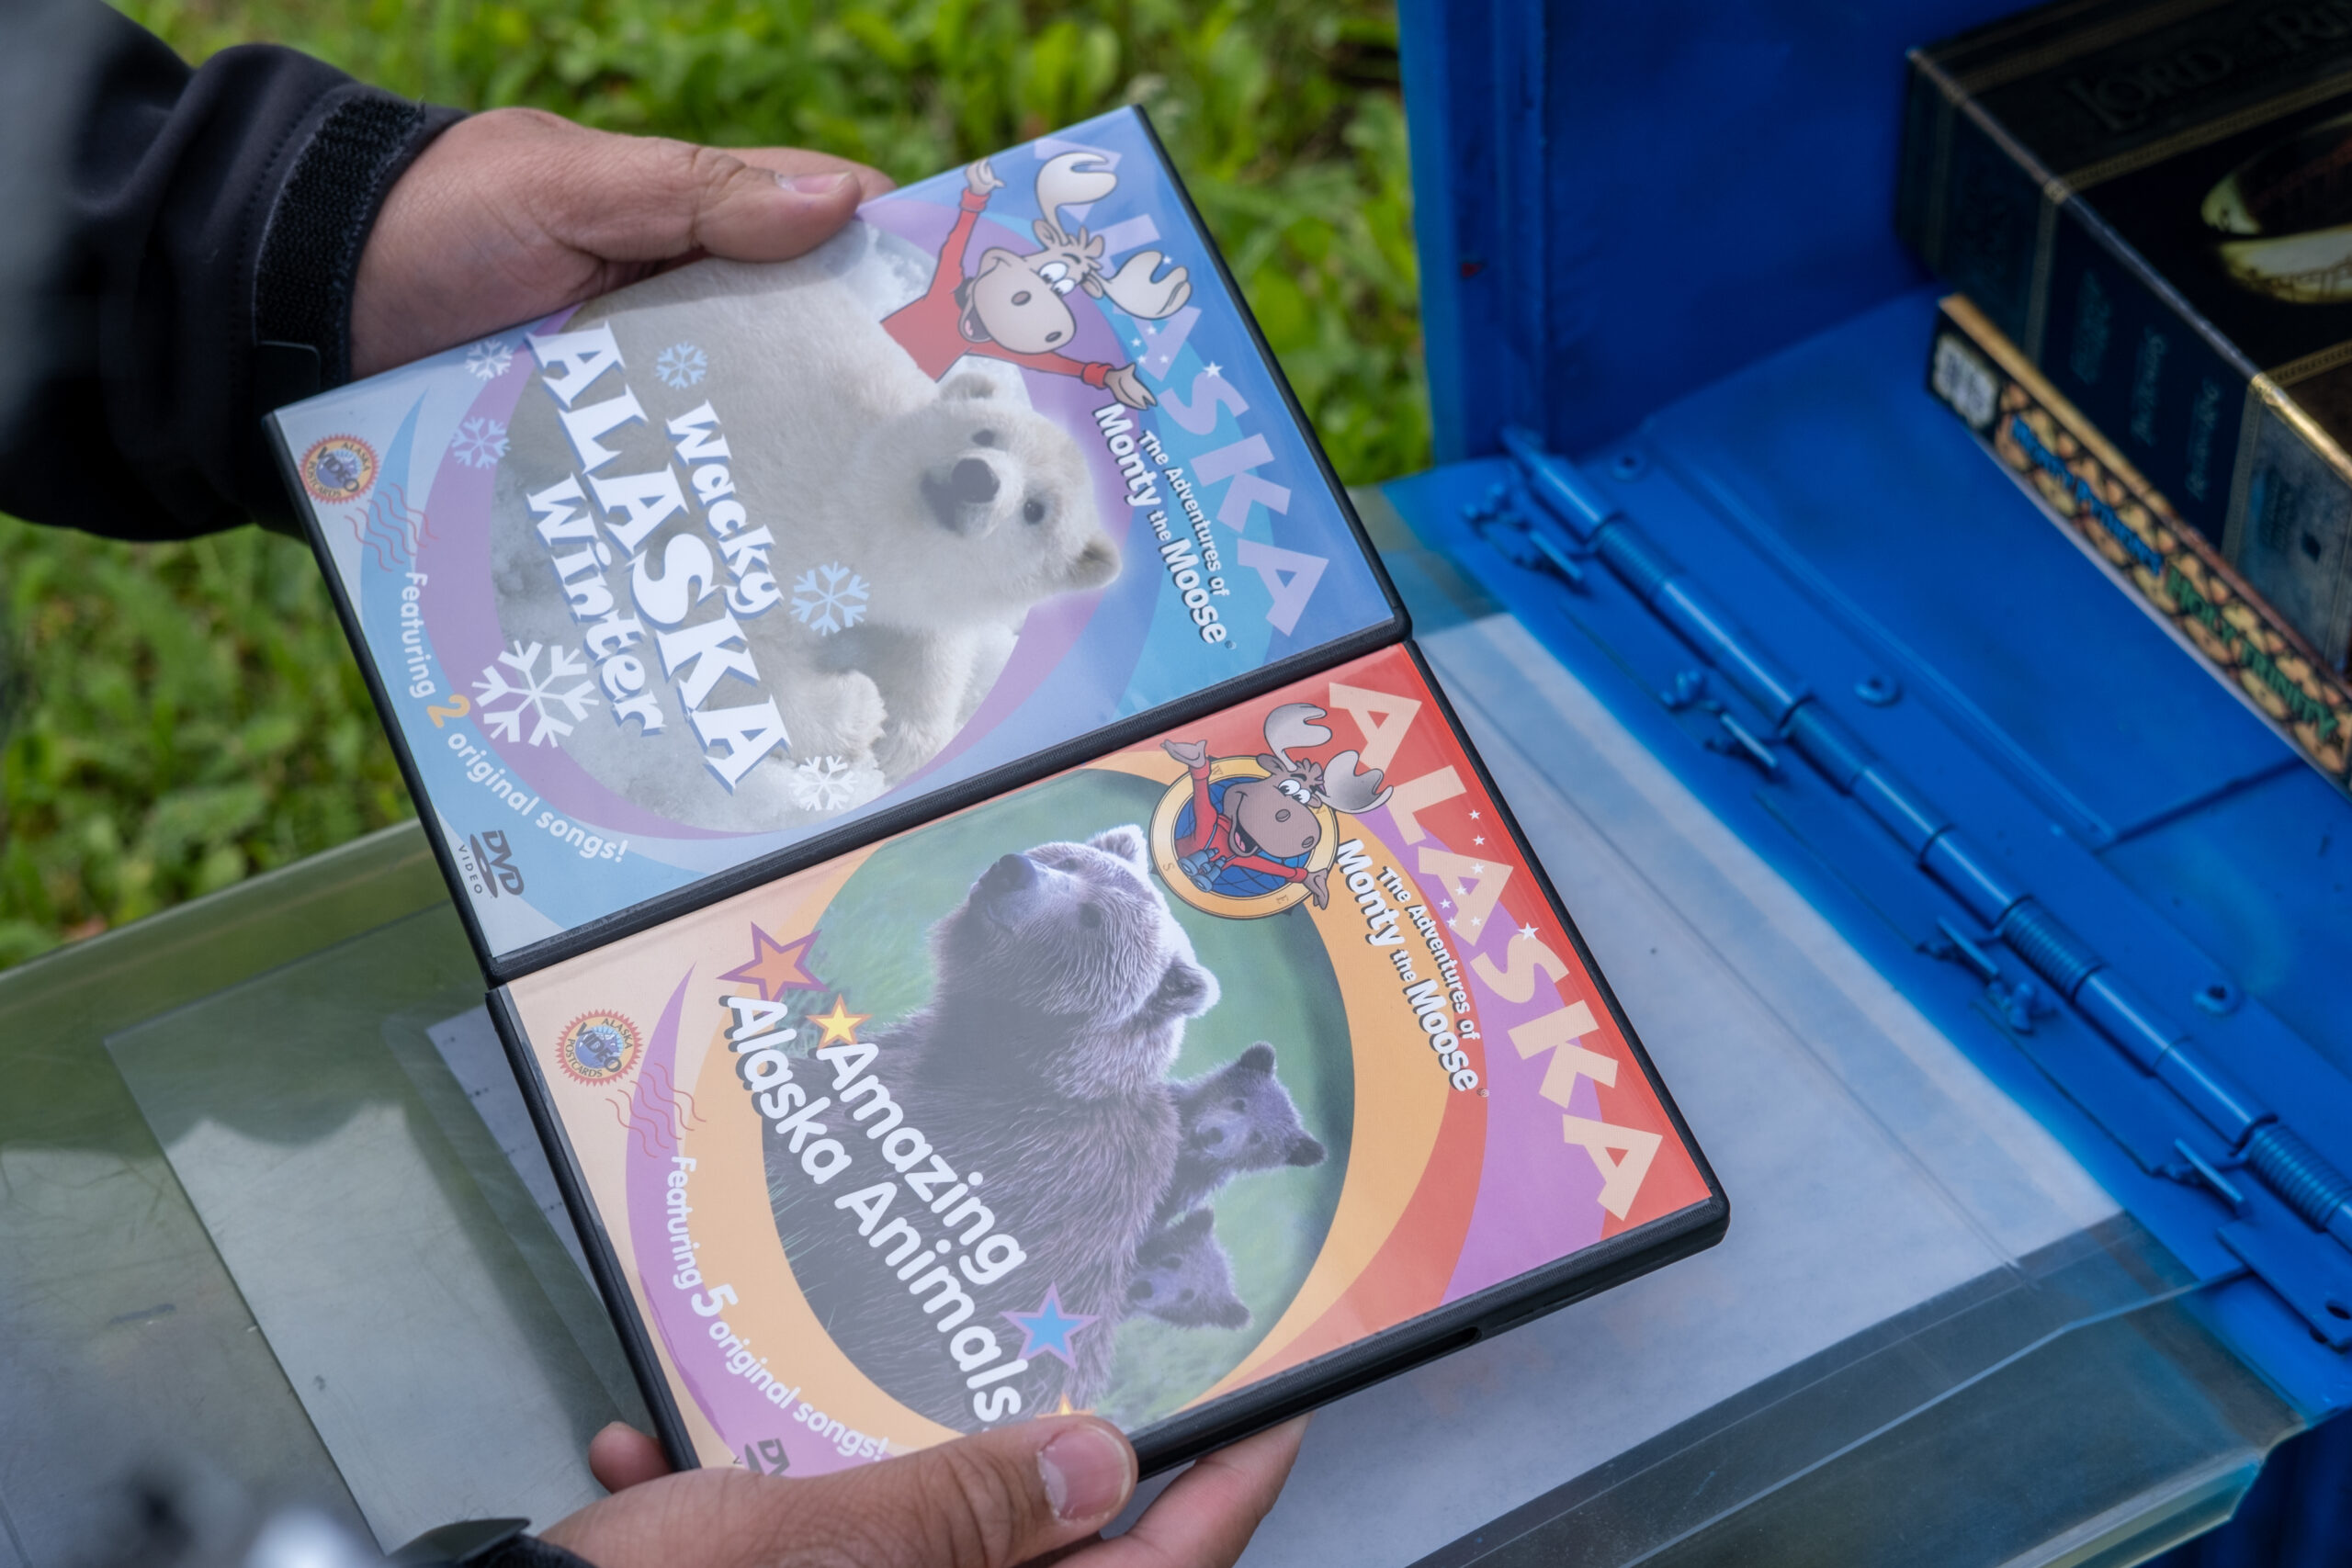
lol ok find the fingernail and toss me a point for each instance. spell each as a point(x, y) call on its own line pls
point(1085, 1472)
point(814, 184)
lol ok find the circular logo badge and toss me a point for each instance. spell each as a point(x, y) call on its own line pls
point(340, 468)
point(1213, 865)
point(597, 1047)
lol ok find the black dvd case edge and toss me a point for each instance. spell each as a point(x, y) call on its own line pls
point(612, 1284)
point(946, 801)
point(947, 798)
point(1267, 1401)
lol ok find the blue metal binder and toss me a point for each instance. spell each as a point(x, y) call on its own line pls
point(1677, 365)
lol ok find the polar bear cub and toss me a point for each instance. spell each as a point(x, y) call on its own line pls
point(959, 507)
point(952, 507)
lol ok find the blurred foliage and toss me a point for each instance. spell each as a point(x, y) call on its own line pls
point(1282, 114)
point(181, 716)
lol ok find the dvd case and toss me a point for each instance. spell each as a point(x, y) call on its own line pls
point(1195, 1084)
point(2146, 199)
point(742, 564)
point(2082, 480)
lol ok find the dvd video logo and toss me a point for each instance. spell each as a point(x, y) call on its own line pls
point(488, 864)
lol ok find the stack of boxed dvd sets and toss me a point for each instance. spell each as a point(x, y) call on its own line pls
point(988, 911)
point(2147, 209)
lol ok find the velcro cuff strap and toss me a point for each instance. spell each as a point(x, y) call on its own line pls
point(310, 252)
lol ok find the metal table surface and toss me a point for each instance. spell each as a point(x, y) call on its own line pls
point(255, 1207)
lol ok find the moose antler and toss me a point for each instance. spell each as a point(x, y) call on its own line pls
point(1350, 789)
point(1066, 181)
point(1293, 724)
point(1070, 179)
point(1134, 289)
point(1342, 785)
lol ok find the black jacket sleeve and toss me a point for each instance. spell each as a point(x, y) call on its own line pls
point(200, 274)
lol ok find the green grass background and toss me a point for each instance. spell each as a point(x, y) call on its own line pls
point(1277, 985)
point(180, 716)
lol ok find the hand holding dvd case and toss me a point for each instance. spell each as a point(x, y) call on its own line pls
point(995, 920)
point(744, 563)
point(1193, 1086)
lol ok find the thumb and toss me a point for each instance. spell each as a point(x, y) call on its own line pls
point(988, 1500)
point(649, 198)
point(513, 213)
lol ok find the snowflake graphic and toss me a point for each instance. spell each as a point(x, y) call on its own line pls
point(681, 364)
point(537, 695)
point(480, 443)
point(823, 783)
point(489, 360)
point(829, 598)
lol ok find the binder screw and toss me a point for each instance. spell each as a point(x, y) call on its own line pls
point(2020, 1003)
point(2220, 997)
point(1689, 685)
point(1494, 504)
point(1878, 691)
point(1628, 466)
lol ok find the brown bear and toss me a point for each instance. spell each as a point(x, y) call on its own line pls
point(1233, 1119)
point(1183, 1276)
point(1006, 1143)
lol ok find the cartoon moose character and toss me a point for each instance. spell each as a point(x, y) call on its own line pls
point(1269, 826)
point(1014, 306)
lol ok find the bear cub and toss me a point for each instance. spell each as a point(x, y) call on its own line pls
point(1064, 984)
point(1183, 1276)
point(1236, 1118)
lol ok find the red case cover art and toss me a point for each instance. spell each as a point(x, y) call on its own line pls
point(1121, 1092)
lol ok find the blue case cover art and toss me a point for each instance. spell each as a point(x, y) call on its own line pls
point(667, 585)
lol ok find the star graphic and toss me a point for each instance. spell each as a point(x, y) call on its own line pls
point(1047, 1330)
point(840, 1025)
point(1477, 869)
point(1528, 931)
point(1445, 903)
point(777, 966)
point(1474, 817)
point(1216, 369)
point(1478, 840)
